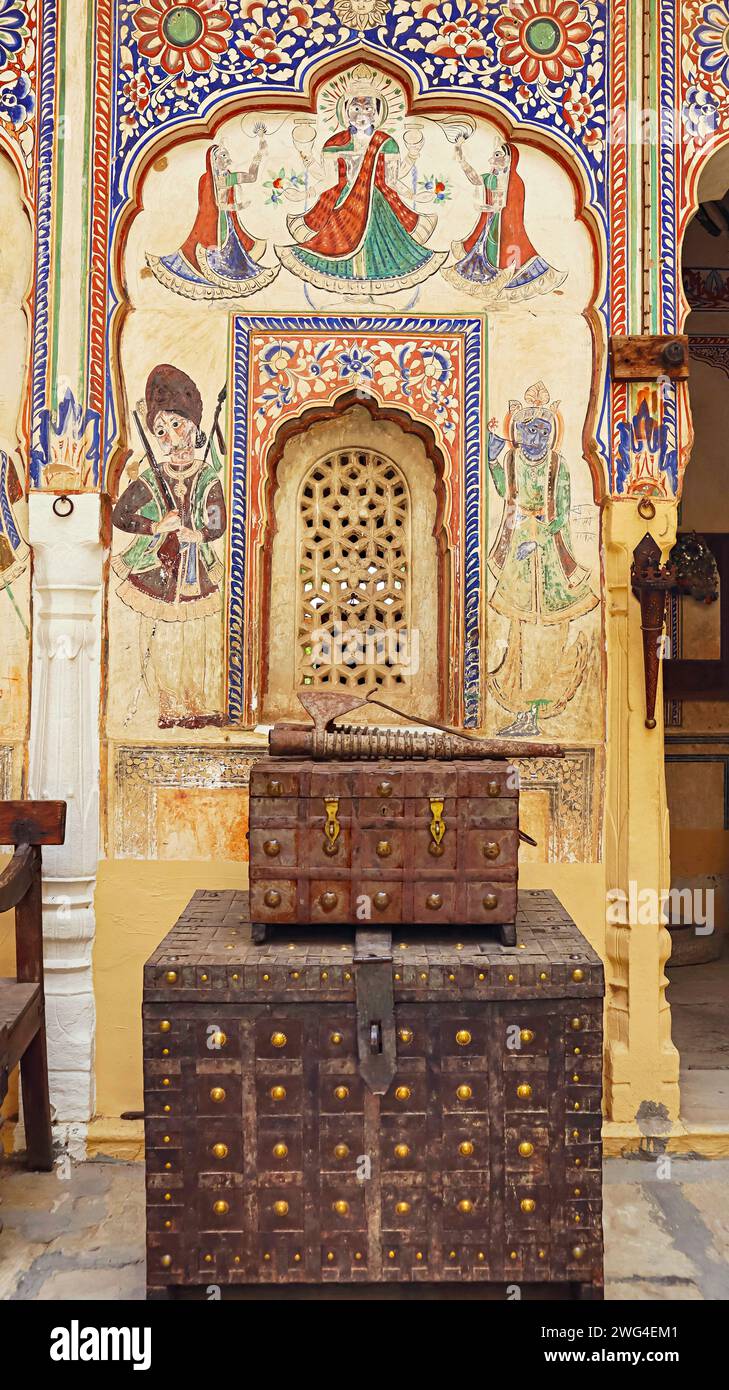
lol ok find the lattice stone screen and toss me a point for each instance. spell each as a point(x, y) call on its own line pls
point(354, 573)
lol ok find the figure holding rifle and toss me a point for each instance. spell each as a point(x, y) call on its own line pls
point(175, 508)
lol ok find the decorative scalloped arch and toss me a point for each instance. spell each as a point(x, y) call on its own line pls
point(321, 71)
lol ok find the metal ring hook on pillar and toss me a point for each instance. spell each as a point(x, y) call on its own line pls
point(62, 506)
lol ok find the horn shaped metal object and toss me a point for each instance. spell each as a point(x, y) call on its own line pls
point(329, 740)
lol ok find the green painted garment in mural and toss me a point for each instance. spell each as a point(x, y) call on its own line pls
point(141, 555)
point(491, 184)
point(387, 249)
point(538, 577)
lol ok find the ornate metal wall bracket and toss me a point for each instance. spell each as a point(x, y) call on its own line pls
point(651, 582)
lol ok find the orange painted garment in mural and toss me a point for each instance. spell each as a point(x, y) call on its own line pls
point(340, 229)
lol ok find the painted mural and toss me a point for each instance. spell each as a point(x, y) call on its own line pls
point(497, 261)
point(219, 259)
point(15, 275)
point(361, 189)
point(539, 585)
point(238, 179)
point(170, 574)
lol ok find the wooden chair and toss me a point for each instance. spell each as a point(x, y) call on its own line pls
point(27, 825)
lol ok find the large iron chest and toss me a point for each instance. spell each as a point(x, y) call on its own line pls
point(272, 1160)
point(429, 842)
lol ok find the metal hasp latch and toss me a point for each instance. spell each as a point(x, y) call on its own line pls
point(376, 1043)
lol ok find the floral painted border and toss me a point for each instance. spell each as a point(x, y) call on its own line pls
point(541, 61)
point(20, 26)
point(430, 367)
point(703, 82)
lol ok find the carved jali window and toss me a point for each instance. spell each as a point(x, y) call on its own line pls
point(354, 573)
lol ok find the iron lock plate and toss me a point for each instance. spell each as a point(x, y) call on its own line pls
point(375, 1004)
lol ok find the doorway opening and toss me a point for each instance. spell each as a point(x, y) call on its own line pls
point(697, 683)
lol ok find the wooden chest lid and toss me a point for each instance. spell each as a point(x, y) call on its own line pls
point(209, 955)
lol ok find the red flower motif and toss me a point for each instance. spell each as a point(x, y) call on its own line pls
point(577, 108)
point(182, 38)
point(543, 38)
point(458, 39)
point(262, 50)
point(137, 90)
point(300, 13)
point(593, 141)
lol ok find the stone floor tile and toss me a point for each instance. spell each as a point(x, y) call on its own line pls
point(636, 1242)
point(640, 1290)
point(712, 1202)
point(90, 1285)
point(16, 1256)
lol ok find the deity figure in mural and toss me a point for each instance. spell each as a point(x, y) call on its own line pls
point(497, 261)
point(539, 582)
point(170, 573)
point(219, 259)
point(360, 237)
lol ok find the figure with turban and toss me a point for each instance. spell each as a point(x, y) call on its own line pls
point(170, 573)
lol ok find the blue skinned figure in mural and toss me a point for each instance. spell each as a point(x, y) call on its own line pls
point(497, 261)
point(219, 260)
point(539, 582)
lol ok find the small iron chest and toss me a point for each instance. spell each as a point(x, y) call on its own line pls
point(421, 842)
point(317, 1113)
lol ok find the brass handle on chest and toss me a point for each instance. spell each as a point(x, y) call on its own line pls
point(437, 825)
point(332, 827)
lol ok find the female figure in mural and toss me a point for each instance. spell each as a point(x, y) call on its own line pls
point(170, 573)
point(360, 237)
point(219, 260)
point(497, 260)
point(538, 579)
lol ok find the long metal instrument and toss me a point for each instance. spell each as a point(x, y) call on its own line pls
point(161, 481)
point(325, 739)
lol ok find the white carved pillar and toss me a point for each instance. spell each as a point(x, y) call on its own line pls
point(64, 764)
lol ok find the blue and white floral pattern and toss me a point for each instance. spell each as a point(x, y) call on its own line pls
point(711, 37)
point(17, 102)
point(274, 43)
point(700, 114)
point(13, 30)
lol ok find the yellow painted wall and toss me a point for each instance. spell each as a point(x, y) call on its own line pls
point(137, 903)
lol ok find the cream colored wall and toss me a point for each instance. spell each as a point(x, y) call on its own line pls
point(699, 842)
point(16, 259)
point(137, 904)
point(175, 815)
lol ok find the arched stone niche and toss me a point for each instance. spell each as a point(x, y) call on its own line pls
point(355, 431)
